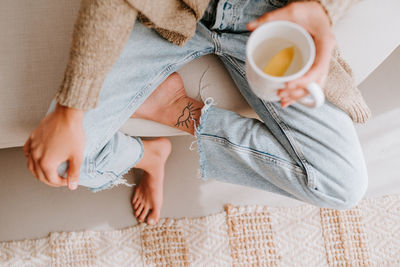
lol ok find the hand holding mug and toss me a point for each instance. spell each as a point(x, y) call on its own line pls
point(312, 17)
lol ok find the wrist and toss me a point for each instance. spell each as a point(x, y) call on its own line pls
point(69, 113)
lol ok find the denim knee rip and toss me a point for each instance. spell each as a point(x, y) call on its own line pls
point(117, 179)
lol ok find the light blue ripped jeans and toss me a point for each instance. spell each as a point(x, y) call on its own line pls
point(310, 155)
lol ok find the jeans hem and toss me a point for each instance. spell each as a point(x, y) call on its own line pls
point(120, 179)
point(198, 131)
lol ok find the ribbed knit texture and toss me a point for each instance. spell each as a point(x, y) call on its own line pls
point(340, 89)
point(100, 32)
point(103, 27)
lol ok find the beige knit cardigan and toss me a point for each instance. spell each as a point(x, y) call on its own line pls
point(103, 27)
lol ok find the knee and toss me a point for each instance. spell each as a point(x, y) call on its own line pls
point(344, 188)
point(350, 195)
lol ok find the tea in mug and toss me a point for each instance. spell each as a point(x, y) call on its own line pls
point(278, 57)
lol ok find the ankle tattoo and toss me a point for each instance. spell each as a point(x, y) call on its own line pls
point(187, 116)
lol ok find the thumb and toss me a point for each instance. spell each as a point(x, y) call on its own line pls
point(75, 163)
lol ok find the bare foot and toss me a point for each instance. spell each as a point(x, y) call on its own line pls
point(148, 196)
point(170, 105)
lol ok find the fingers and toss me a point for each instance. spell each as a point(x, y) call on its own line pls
point(27, 147)
point(33, 168)
point(39, 173)
point(74, 170)
point(317, 73)
point(290, 96)
point(43, 169)
point(294, 90)
point(324, 45)
point(50, 171)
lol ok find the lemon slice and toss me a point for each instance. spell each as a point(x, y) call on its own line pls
point(279, 64)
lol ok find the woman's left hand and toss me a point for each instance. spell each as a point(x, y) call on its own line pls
point(311, 16)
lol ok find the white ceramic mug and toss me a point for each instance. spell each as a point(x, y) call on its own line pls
point(266, 86)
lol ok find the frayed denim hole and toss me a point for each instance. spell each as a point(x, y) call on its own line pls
point(115, 180)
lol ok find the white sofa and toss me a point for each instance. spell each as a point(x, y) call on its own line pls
point(34, 44)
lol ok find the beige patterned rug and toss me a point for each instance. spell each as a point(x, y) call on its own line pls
point(367, 235)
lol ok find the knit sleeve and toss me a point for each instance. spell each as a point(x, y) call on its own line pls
point(100, 33)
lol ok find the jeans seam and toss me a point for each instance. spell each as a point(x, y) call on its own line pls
point(309, 171)
point(235, 64)
point(89, 164)
point(258, 154)
point(217, 44)
point(236, 15)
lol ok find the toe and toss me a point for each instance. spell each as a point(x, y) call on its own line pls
point(138, 202)
point(144, 214)
point(139, 209)
point(154, 216)
point(135, 197)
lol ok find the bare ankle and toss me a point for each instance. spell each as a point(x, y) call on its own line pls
point(156, 152)
point(187, 114)
point(170, 105)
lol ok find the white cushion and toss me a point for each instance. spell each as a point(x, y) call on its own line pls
point(35, 38)
point(367, 34)
point(34, 46)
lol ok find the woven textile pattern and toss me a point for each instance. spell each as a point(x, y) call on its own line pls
point(251, 237)
point(345, 237)
point(366, 235)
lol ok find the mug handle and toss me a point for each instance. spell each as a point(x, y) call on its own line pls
point(316, 97)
